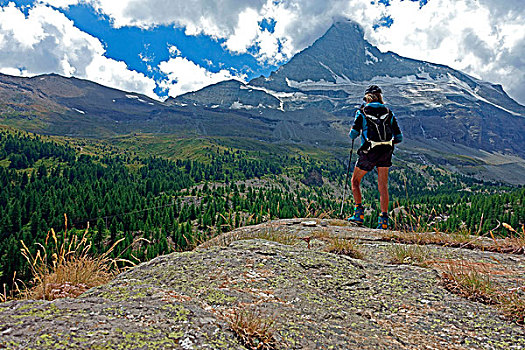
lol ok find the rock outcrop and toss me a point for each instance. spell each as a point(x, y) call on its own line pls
point(307, 298)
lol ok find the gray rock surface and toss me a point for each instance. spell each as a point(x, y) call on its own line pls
point(317, 300)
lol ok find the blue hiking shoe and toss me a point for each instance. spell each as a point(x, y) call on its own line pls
point(383, 222)
point(359, 215)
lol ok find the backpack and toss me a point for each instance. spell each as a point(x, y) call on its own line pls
point(379, 123)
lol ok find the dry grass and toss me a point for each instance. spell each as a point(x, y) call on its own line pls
point(275, 236)
point(437, 238)
point(462, 239)
point(321, 234)
point(254, 332)
point(515, 244)
point(413, 255)
point(3, 295)
point(66, 269)
point(339, 223)
point(466, 280)
point(267, 233)
point(513, 306)
point(471, 282)
point(342, 246)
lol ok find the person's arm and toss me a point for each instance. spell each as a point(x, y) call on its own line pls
point(398, 136)
point(357, 127)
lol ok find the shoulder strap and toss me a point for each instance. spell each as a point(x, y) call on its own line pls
point(386, 115)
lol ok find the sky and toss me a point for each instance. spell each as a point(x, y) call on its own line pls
point(166, 48)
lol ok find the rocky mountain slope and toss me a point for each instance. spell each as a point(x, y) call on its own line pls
point(295, 295)
point(432, 101)
point(447, 117)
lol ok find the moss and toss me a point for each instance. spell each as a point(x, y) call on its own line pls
point(33, 311)
point(11, 345)
point(151, 338)
point(123, 293)
point(176, 312)
point(55, 341)
point(216, 297)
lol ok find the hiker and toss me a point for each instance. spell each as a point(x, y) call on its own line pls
point(379, 131)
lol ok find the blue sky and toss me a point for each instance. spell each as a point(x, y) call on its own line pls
point(143, 50)
point(162, 48)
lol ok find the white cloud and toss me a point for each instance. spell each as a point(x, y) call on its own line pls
point(59, 3)
point(173, 50)
point(45, 41)
point(472, 35)
point(116, 74)
point(482, 37)
point(245, 32)
point(185, 76)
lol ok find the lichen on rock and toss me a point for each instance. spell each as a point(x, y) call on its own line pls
point(315, 300)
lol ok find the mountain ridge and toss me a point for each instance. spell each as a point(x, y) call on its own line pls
point(429, 99)
point(308, 102)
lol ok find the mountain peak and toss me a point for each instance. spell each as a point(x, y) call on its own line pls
point(341, 52)
point(345, 26)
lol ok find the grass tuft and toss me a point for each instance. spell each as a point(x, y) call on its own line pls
point(515, 244)
point(460, 239)
point(253, 330)
point(513, 306)
point(409, 254)
point(267, 233)
point(341, 246)
point(468, 281)
point(65, 268)
point(339, 223)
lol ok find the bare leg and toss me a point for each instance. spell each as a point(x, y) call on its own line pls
point(382, 184)
point(357, 176)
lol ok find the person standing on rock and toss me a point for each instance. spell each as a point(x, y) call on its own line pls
point(379, 132)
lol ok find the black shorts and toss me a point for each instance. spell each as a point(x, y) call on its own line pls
point(380, 156)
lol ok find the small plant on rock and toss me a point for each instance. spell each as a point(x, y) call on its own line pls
point(409, 254)
point(513, 306)
point(254, 332)
point(62, 266)
point(342, 246)
point(469, 282)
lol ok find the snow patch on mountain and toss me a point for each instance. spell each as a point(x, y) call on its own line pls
point(373, 59)
point(281, 96)
point(474, 93)
point(79, 111)
point(339, 79)
point(239, 105)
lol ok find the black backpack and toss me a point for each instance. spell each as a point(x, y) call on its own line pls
point(379, 123)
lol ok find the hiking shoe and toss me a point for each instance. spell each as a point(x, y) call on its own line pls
point(359, 215)
point(382, 223)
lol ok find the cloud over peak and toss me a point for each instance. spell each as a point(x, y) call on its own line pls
point(481, 37)
point(45, 41)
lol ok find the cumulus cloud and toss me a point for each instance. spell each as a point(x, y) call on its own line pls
point(481, 37)
point(472, 35)
point(45, 41)
point(185, 76)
